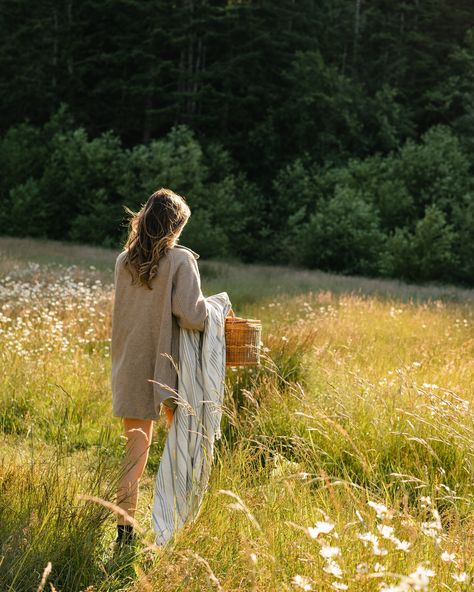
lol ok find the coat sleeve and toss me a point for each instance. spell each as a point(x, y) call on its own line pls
point(188, 303)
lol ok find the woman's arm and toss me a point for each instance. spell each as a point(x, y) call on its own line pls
point(187, 301)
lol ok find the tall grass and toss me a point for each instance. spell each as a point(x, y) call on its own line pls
point(346, 459)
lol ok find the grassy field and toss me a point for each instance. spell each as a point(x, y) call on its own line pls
point(346, 461)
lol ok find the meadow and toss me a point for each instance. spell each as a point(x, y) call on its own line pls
point(346, 460)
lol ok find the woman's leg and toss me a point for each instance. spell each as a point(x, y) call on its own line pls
point(139, 434)
point(169, 415)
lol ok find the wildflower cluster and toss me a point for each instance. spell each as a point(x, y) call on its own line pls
point(324, 534)
point(45, 311)
point(382, 543)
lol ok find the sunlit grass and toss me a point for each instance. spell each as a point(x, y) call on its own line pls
point(346, 459)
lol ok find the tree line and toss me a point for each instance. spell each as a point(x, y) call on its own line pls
point(334, 134)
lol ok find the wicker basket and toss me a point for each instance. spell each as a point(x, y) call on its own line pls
point(242, 340)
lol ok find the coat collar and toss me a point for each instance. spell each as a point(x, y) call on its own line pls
point(196, 255)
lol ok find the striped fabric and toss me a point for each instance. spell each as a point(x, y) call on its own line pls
point(185, 466)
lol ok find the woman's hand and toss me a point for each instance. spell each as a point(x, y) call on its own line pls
point(169, 413)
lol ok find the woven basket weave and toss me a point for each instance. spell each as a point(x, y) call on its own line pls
point(242, 340)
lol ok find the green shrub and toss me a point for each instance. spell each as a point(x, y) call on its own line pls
point(434, 171)
point(205, 238)
point(344, 235)
point(463, 219)
point(426, 254)
point(98, 223)
point(175, 161)
point(26, 210)
point(79, 172)
point(408, 214)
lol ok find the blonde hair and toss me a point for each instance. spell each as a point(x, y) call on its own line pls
point(152, 232)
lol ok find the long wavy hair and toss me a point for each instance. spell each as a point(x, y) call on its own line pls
point(153, 230)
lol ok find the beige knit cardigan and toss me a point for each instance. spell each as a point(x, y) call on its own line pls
point(145, 332)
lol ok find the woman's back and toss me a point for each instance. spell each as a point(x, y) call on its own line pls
point(145, 331)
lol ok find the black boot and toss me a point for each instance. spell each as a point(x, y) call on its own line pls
point(125, 534)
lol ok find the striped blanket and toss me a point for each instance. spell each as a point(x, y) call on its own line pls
point(185, 466)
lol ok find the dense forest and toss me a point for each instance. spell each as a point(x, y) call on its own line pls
point(332, 134)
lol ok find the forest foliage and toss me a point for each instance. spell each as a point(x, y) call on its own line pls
point(335, 135)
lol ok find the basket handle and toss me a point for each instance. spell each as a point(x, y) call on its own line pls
point(231, 313)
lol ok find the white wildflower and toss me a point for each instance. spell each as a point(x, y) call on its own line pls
point(368, 537)
point(433, 529)
point(385, 531)
point(302, 582)
point(381, 510)
point(420, 578)
point(333, 568)
point(448, 557)
point(376, 550)
point(340, 586)
point(320, 528)
point(402, 545)
point(462, 577)
point(329, 552)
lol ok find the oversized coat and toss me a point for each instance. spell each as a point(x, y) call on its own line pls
point(145, 332)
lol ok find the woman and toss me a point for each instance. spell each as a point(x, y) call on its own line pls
point(157, 291)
